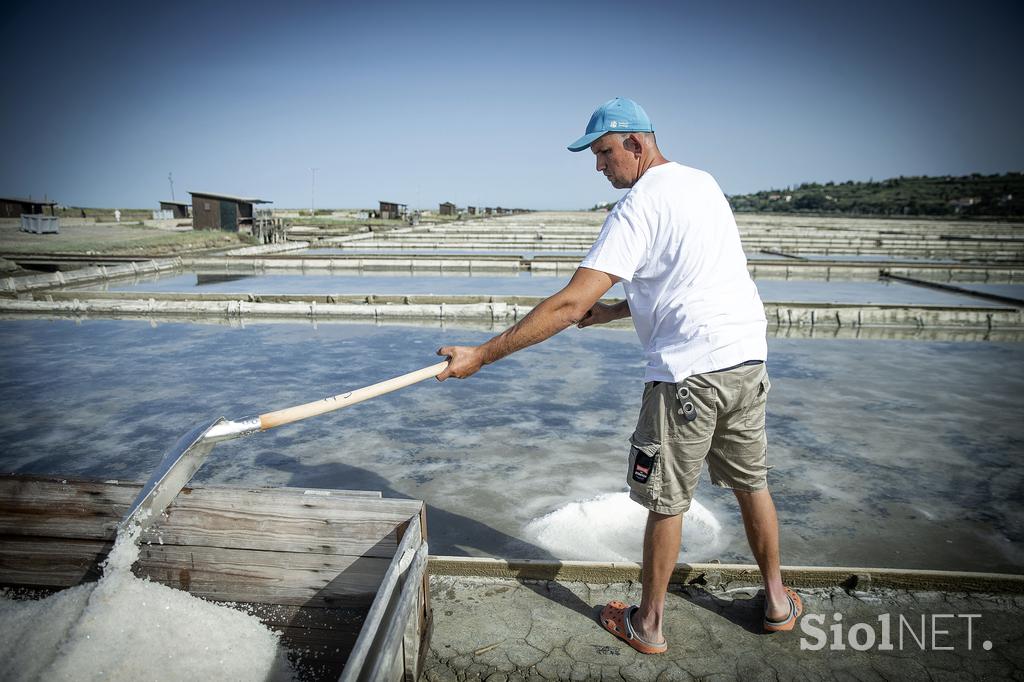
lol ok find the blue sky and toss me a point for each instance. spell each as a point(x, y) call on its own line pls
point(474, 102)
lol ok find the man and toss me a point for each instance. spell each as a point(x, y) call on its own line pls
point(673, 243)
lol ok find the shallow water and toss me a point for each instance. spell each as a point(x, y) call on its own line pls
point(886, 453)
point(514, 283)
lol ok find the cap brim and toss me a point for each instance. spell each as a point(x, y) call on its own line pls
point(585, 141)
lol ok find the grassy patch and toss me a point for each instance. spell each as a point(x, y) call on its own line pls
point(117, 240)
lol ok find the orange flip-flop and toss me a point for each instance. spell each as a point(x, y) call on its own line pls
point(615, 618)
point(796, 607)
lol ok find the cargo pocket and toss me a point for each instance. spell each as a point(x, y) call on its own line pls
point(754, 413)
point(692, 414)
point(645, 468)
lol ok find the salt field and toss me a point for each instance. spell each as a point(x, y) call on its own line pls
point(894, 425)
point(234, 240)
point(514, 283)
point(885, 453)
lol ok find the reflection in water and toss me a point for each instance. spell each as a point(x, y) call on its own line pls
point(1010, 290)
point(205, 280)
point(885, 453)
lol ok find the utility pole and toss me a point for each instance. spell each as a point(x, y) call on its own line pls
point(312, 195)
point(170, 179)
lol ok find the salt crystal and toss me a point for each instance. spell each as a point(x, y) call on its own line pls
point(80, 633)
point(604, 527)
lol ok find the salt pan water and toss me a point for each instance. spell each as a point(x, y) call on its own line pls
point(884, 453)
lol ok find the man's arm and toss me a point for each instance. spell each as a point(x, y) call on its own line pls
point(600, 313)
point(550, 316)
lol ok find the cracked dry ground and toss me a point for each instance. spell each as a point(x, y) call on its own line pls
point(490, 629)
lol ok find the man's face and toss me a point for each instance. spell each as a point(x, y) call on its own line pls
point(615, 159)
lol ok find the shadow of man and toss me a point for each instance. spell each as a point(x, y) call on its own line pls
point(468, 532)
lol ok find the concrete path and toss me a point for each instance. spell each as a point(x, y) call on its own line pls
point(502, 629)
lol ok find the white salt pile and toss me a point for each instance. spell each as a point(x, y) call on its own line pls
point(610, 527)
point(127, 628)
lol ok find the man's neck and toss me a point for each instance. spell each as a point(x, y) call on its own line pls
point(645, 163)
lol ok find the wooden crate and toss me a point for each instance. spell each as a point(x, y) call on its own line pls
point(342, 574)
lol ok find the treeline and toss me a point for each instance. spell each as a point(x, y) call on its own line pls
point(999, 195)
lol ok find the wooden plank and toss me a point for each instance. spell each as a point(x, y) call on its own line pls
point(412, 635)
point(62, 508)
point(258, 576)
point(87, 491)
point(387, 660)
point(365, 645)
point(328, 619)
point(44, 562)
point(283, 519)
point(294, 553)
point(336, 526)
point(427, 612)
point(418, 626)
point(208, 572)
point(318, 639)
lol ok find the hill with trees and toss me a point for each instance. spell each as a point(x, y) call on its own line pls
point(1000, 195)
point(975, 195)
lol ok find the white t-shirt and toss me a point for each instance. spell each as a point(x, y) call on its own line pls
point(674, 242)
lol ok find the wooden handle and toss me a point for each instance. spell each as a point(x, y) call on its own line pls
point(294, 414)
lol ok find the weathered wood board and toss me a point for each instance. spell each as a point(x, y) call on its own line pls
point(308, 563)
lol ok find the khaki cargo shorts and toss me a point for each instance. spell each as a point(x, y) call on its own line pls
point(718, 417)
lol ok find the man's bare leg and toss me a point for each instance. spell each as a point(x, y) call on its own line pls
point(762, 526)
point(661, 552)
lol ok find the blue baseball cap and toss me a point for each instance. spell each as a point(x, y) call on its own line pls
point(619, 115)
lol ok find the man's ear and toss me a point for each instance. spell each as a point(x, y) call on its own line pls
point(633, 144)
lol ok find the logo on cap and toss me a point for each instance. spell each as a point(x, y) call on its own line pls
point(634, 118)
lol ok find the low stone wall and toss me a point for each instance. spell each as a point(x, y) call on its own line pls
point(263, 249)
point(718, 575)
point(375, 308)
point(396, 263)
point(96, 273)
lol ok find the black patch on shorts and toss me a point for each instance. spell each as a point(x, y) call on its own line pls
point(642, 466)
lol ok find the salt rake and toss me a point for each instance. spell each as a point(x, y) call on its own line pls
point(181, 462)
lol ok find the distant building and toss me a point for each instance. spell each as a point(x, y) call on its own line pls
point(488, 210)
point(447, 208)
point(964, 202)
point(392, 211)
point(223, 212)
point(14, 207)
point(471, 210)
point(178, 209)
